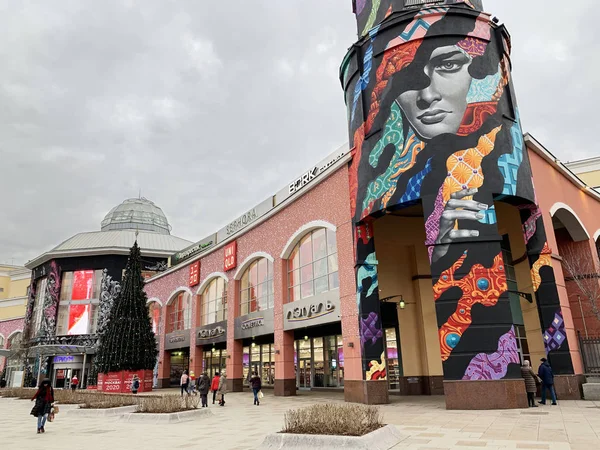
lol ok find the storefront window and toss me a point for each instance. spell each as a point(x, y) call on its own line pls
point(259, 359)
point(154, 313)
point(256, 287)
point(180, 361)
point(246, 364)
point(79, 302)
point(320, 362)
point(214, 360)
point(393, 359)
point(214, 302)
point(180, 313)
point(313, 265)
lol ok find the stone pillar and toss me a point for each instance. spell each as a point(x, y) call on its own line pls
point(235, 367)
point(164, 369)
point(196, 357)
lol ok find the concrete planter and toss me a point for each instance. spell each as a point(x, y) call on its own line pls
point(183, 416)
point(382, 439)
point(108, 412)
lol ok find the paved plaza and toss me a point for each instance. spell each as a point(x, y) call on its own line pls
point(240, 425)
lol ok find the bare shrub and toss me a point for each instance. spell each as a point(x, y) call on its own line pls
point(21, 393)
point(102, 401)
point(333, 419)
point(168, 404)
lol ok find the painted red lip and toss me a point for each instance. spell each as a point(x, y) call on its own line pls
point(433, 117)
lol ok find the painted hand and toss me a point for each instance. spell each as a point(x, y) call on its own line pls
point(457, 209)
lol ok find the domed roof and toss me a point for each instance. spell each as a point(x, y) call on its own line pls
point(136, 214)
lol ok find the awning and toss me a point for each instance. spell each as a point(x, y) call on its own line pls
point(59, 349)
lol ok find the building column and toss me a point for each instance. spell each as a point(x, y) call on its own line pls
point(235, 366)
point(364, 339)
point(285, 370)
point(164, 369)
point(196, 357)
point(560, 337)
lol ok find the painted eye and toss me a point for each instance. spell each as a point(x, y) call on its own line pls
point(449, 66)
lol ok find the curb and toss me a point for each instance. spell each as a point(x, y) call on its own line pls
point(183, 416)
point(101, 412)
point(381, 439)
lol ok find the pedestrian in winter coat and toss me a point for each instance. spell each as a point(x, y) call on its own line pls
point(530, 382)
point(203, 388)
point(74, 382)
point(222, 389)
point(185, 383)
point(214, 387)
point(135, 384)
point(256, 385)
point(547, 377)
point(44, 397)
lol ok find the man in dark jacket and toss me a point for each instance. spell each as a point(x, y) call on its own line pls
point(547, 377)
point(203, 388)
point(256, 385)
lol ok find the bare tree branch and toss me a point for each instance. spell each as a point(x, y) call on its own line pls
point(580, 267)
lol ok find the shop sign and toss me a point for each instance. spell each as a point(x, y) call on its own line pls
point(310, 175)
point(230, 256)
point(254, 324)
point(60, 374)
point(177, 339)
point(63, 359)
point(245, 220)
point(194, 274)
point(199, 247)
point(212, 334)
point(320, 309)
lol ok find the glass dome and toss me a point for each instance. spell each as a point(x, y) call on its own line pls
point(136, 214)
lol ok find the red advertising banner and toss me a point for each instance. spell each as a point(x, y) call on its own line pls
point(83, 284)
point(79, 319)
point(231, 256)
point(113, 382)
point(194, 274)
point(100, 382)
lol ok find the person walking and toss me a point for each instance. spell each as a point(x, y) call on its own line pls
point(547, 378)
point(135, 384)
point(256, 385)
point(222, 389)
point(214, 387)
point(530, 382)
point(44, 397)
point(74, 382)
point(203, 388)
point(185, 383)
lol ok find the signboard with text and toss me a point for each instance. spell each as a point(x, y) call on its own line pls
point(316, 310)
point(230, 256)
point(212, 334)
point(194, 274)
point(254, 324)
point(177, 339)
point(245, 220)
point(194, 250)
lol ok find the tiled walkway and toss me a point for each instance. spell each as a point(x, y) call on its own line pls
point(240, 425)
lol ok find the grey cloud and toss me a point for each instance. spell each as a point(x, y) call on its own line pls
point(209, 107)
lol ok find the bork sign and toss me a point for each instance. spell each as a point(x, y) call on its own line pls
point(231, 256)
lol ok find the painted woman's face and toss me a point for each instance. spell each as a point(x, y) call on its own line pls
point(440, 107)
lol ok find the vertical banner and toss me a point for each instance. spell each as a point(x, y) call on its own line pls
point(230, 256)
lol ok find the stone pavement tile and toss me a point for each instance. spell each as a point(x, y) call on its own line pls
point(531, 445)
point(471, 443)
point(431, 435)
point(411, 441)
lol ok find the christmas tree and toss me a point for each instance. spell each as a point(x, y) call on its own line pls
point(128, 342)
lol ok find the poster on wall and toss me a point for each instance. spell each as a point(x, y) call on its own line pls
point(79, 319)
point(83, 282)
point(194, 274)
point(230, 256)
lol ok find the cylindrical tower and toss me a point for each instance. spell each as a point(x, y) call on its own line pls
point(433, 121)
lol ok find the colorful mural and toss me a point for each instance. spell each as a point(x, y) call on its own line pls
point(433, 121)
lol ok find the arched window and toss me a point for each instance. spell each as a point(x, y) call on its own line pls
point(180, 313)
point(14, 341)
point(256, 287)
point(1, 341)
point(154, 312)
point(214, 302)
point(313, 265)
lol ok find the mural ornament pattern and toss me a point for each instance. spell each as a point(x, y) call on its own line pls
point(495, 366)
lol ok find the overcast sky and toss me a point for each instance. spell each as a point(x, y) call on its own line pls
point(209, 107)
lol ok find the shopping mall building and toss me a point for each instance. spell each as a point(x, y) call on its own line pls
point(425, 258)
point(428, 256)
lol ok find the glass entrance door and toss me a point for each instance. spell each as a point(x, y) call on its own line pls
point(304, 370)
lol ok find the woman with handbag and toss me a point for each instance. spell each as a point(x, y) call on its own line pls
point(531, 380)
point(256, 385)
point(44, 397)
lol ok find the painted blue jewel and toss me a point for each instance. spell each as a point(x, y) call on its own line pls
point(462, 311)
point(452, 340)
point(483, 284)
